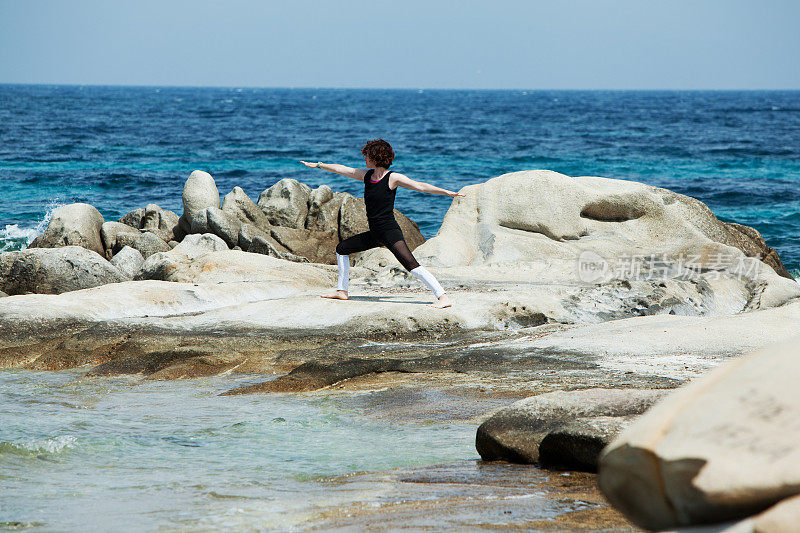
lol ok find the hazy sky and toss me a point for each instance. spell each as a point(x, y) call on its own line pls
point(588, 44)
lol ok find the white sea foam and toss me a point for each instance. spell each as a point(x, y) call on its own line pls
point(51, 445)
point(12, 234)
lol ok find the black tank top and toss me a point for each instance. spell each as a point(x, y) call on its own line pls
point(379, 199)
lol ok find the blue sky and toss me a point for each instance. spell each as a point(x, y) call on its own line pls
point(586, 44)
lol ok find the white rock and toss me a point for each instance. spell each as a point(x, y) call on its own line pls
point(73, 225)
point(720, 448)
point(128, 260)
point(199, 192)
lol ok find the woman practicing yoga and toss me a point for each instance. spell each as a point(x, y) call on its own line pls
point(380, 187)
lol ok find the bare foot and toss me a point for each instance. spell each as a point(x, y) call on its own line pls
point(442, 302)
point(336, 295)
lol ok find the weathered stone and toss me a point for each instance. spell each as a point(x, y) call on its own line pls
point(576, 445)
point(148, 244)
point(162, 221)
point(199, 223)
point(515, 433)
point(73, 225)
point(109, 232)
point(262, 245)
point(125, 239)
point(316, 246)
point(237, 204)
point(286, 203)
point(199, 193)
point(223, 225)
point(248, 232)
point(54, 271)
point(134, 218)
point(722, 447)
point(160, 266)
point(323, 211)
point(128, 261)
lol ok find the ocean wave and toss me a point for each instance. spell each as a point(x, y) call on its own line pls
point(13, 237)
point(52, 446)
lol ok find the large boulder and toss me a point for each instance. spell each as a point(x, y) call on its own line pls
point(73, 225)
point(316, 246)
point(128, 261)
point(165, 222)
point(722, 447)
point(618, 241)
point(286, 203)
point(561, 428)
point(237, 204)
point(199, 192)
point(526, 216)
point(149, 243)
point(160, 265)
point(110, 232)
point(223, 225)
point(55, 270)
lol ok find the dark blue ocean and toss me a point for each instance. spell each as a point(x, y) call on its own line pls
point(120, 148)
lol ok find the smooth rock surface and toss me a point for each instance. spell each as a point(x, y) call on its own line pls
point(199, 192)
point(128, 261)
point(224, 225)
point(54, 270)
point(516, 432)
point(720, 448)
point(73, 225)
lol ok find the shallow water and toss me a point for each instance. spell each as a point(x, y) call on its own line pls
point(123, 454)
point(120, 148)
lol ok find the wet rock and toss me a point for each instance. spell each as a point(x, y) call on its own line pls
point(73, 225)
point(286, 203)
point(128, 261)
point(199, 193)
point(134, 218)
point(579, 420)
point(54, 270)
point(109, 233)
point(723, 447)
point(315, 375)
point(148, 244)
point(237, 204)
point(576, 445)
point(175, 363)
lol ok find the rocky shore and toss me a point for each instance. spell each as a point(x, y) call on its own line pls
point(583, 299)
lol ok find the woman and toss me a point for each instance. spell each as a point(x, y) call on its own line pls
point(380, 187)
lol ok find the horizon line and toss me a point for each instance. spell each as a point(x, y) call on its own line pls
point(307, 87)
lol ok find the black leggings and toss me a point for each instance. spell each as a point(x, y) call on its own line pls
point(393, 240)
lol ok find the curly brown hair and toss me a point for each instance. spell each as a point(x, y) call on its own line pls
point(380, 152)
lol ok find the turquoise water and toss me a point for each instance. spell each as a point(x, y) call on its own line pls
point(120, 148)
point(120, 454)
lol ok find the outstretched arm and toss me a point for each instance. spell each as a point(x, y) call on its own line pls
point(400, 180)
point(355, 173)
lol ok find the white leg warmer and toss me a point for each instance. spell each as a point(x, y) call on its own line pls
point(427, 278)
point(343, 262)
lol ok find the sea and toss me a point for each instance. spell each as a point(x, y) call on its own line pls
point(126, 454)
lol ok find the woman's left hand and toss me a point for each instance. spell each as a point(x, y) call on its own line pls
point(454, 194)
